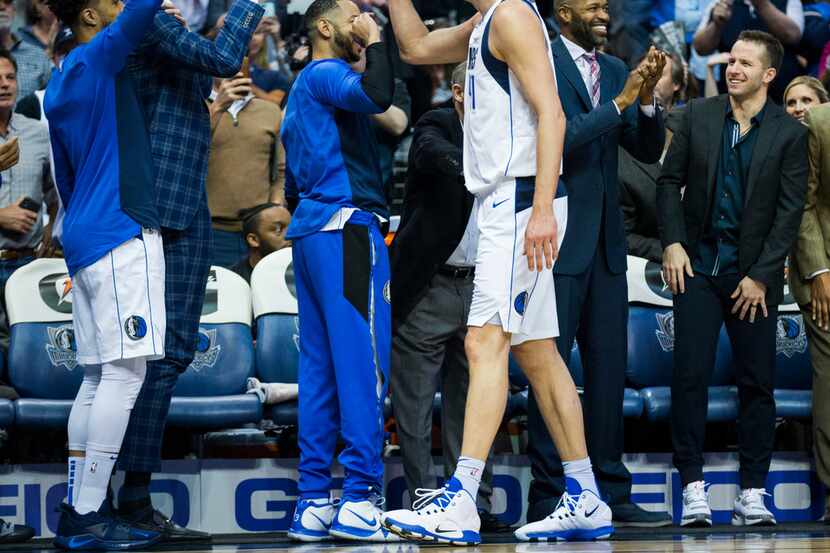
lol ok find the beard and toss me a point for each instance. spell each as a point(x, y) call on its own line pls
point(585, 35)
point(344, 46)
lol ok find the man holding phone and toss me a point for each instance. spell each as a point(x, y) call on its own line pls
point(26, 188)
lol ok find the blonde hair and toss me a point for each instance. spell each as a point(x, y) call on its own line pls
point(810, 82)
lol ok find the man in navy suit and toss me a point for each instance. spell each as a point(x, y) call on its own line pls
point(606, 107)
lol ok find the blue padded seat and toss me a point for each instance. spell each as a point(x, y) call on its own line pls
point(650, 365)
point(7, 414)
point(632, 402)
point(42, 364)
point(793, 370)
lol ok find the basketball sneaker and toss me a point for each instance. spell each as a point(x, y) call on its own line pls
point(750, 509)
point(99, 530)
point(360, 521)
point(581, 518)
point(696, 511)
point(312, 520)
point(446, 515)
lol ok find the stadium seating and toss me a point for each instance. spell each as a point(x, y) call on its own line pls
point(793, 375)
point(42, 363)
point(210, 394)
point(275, 313)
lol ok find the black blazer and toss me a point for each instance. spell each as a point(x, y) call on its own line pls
point(638, 199)
point(775, 194)
point(436, 209)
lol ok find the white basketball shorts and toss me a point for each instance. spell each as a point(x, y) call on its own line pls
point(118, 303)
point(506, 291)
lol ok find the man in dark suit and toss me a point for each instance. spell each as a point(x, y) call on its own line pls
point(743, 163)
point(433, 265)
point(606, 107)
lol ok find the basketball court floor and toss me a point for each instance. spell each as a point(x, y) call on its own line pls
point(786, 538)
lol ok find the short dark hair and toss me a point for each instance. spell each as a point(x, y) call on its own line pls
point(773, 46)
point(250, 217)
point(5, 54)
point(316, 11)
point(67, 11)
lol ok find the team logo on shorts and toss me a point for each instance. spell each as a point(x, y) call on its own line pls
point(520, 303)
point(61, 347)
point(135, 327)
point(790, 337)
point(207, 350)
point(387, 293)
point(665, 330)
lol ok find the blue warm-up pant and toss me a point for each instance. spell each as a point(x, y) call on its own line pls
point(342, 280)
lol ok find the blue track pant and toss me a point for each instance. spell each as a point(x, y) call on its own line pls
point(342, 280)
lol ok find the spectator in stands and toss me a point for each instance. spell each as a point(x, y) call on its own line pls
point(803, 94)
point(244, 128)
point(606, 106)
point(267, 84)
point(638, 180)
point(195, 13)
point(172, 71)
point(33, 66)
point(263, 227)
point(809, 277)
point(724, 20)
point(433, 265)
point(41, 24)
point(724, 262)
point(32, 105)
point(25, 188)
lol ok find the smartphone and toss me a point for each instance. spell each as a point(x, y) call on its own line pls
point(30, 205)
point(270, 10)
point(246, 67)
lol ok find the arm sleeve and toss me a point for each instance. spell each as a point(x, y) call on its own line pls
point(64, 175)
point(221, 57)
point(671, 222)
point(810, 250)
point(333, 82)
point(113, 45)
point(643, 136)
point(433, 152)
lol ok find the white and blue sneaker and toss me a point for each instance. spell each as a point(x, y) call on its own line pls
point(750, 509)
point(446, 515)
point(582, 518)
point(360, 521)
point(312, 520)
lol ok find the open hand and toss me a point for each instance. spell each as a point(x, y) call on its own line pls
point(750, 295)
point(541, 239)
point(676, 266)
point(820, 303)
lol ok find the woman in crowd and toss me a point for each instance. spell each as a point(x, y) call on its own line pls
point(802, 94)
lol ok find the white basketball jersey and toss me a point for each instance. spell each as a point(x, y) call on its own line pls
point(499, 123)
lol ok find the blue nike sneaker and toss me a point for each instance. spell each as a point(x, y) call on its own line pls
point(360, 521)
point(101, 531)
point(312, 520)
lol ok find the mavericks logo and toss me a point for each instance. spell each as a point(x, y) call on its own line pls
point(665, 330)
point(790, 337)
point(56, 292)
point(135, 327)
point(207, 350)
point(61, 347)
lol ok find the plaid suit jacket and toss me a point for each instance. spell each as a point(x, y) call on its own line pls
point(172, 72)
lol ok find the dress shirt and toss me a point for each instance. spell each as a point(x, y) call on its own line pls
point(577, 52)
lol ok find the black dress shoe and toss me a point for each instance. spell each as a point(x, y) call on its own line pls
point(491, 524)
point(634, 516)
point(152, 519)
point(14, 533)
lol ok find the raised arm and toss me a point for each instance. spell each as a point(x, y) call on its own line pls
point(419, 46)
point(221, 57)
point(115, 43)
point(785, 26)
point(517, 37)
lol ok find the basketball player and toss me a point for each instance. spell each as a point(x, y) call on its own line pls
point(113, 250)
point(514, 131)
point(342, 272)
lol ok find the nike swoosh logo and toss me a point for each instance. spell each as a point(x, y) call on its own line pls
point(322, 522)
point(588, 515)
point(501, 202)
point(439, 530)
point(369, 521)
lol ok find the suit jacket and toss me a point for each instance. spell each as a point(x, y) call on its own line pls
point(812, 248)
point(436, 209)
point(774, 196)
point(638, 198)
point(592, 137)
point(172, 71)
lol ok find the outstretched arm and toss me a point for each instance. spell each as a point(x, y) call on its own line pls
point(111, 46)
point(518, 39)
point(419, 46)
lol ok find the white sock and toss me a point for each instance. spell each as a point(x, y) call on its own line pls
point(468, 471)
point(579, 476)
point(96, 479)
point(75, 475)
